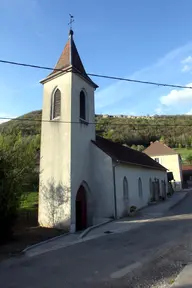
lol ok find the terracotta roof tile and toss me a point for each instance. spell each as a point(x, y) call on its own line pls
point(64, 60)
point(125, 154)
point(158, 148)
point(70, 59)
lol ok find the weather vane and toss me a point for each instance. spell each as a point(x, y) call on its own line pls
point(71, 20)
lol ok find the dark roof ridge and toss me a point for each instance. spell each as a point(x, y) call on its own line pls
point(125, 154)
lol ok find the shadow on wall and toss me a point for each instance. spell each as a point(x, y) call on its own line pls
point(54, 205)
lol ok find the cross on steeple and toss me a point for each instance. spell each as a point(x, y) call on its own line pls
point(71, 21)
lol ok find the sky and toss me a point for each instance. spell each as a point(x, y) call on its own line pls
point(144, 40)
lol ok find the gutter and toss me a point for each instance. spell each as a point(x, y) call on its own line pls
point(145, 166)
point(114, 165)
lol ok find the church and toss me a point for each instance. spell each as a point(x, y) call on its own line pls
point(85, 179)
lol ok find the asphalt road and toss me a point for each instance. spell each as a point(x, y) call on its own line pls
point(150, 255)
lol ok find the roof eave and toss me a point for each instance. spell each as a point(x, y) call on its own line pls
point(56, 74)
point(146, 166)
point(66, 70)
point(85, 77)
point(157, 155)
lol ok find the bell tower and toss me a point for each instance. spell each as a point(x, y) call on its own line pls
point(68, 117)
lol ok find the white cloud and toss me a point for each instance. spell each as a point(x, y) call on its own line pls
point(121, 94)
point(177, 97)
point(189, 112)
point(187, 64)
point(187, 60)
point(186, 68)
point(4, 117)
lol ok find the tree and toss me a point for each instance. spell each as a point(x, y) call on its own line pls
point(140, 148)
point(189, 158)
point(134, 147)
point(162, 139)
point(17, 160)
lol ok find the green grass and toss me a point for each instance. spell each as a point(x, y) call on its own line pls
point(171, 281)
point(27, 230)
point(184, 152)
point(29, 201)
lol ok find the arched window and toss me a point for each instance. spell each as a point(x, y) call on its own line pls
point(82, 106)
point(140, 188)
point(56, 104)
point(125, 189)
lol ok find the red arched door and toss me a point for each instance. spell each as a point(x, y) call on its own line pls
point(81, 209)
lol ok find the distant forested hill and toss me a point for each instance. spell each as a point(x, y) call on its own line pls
point(28, 124)
point(175, 130)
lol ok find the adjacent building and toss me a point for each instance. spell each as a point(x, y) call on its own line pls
point(169, 158)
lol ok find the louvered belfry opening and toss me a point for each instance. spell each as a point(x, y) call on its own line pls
point(56, 104)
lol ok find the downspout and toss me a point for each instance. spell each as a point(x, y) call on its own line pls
point(114, 165)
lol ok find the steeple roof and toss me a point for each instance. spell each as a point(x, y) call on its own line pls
point(70, 61)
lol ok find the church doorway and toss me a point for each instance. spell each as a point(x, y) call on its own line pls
point(81, 209)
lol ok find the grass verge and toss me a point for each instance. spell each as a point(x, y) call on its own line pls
point(27, 231)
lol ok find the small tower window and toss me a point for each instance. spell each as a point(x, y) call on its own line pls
point(82, 106)
point(56, 105)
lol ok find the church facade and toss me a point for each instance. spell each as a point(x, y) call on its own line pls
point(85, 179)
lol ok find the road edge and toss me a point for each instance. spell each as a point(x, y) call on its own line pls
point(43, 242)
point(84, 233)
point(180, 200)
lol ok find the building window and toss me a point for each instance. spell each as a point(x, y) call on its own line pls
point(125, 189)
point(56, 104)
point(151, 189)
point(157, 160)
point(140, 188)
point(82, 106)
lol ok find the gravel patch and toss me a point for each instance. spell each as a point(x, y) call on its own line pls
point(160, 273)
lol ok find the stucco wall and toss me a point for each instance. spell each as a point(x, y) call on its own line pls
point(55, 164)
point(102, 184)
point(65, 150)
point(132, 174)
point(81, 136)
point(172, 163)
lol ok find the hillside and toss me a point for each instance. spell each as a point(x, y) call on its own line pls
point(128, 130)
point(175, 130)
point(28, 124)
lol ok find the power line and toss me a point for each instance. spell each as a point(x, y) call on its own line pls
point(94, 123)
point(97, 75)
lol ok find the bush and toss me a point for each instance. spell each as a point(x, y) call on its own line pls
point(133, 209)
point(17, 160)
point(189, 158)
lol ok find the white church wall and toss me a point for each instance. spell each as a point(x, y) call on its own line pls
point(55, 164)
point(102, 185)
point(132, 173)
point(81, 136)
point(65, 149)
